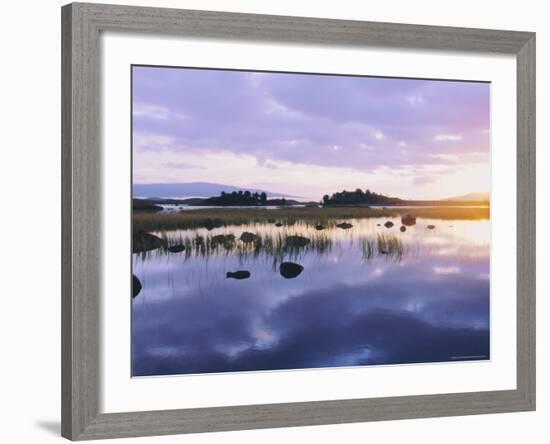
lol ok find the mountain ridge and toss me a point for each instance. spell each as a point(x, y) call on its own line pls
point(475, 196)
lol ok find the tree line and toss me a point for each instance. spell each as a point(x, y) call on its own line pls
point(248, 198)
point(238, 198)
point(359, 196)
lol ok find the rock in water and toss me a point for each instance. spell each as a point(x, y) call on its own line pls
point(210, 224)
point(388, 224)
point(344, 225)
point(278, 224)
point(142, 242)
point(241, 274)
point(408, 220)
point(227, 240)
point(136, 286)
point(248, 237)
point(431, 227)
point(319, 227)
point(290, 270)
point(403, 228)
point(297, 241)
point(176, 248)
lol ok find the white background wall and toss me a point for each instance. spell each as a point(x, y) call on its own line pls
point(30, 220)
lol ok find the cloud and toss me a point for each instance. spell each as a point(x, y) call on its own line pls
point(144, 141)
point(258, 113)
point(415, 99)
point(299, 119)
point(430, 321)
point(447, 158)
point(180, 165)
point(447, 137)
point(424, 180)
point(150, 111)
point(446, 270)
point(378, 135)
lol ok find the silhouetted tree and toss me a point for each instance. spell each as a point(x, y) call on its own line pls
point(237, 198)
point(359, 197)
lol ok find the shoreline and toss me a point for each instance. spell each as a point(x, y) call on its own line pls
point(217, 217)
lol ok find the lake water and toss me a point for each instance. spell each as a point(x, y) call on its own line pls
point(367, 295)
point(171, 208)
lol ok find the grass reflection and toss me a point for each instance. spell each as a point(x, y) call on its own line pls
point(386, 245)
point(272, 246)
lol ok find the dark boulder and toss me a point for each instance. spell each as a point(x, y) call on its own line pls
point(388, 224)
point(210, 224)
point(278, 224)
point(241, 274)
point(403, 228)
point(136, 286)
point(223, 239)
point(431, 227)
point(319, 227)
point(344, 225)
point(142, 242)
point(248, 237)
point(408, 219)
point(297, 241)
point(290, 270)
point(176, 248)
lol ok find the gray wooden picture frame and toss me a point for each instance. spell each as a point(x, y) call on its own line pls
point(81, 174)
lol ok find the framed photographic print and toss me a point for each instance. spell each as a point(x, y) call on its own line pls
point(278, 221)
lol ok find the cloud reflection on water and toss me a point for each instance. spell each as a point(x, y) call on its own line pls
point(340, 311)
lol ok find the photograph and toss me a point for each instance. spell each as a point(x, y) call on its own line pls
point(286, 221)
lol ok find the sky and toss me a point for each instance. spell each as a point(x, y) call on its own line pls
point(307, 135)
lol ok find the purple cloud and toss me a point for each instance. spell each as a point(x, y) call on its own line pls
point(357, 122)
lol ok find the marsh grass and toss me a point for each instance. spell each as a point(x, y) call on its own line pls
point(390, 245)
point(387, 245)
point(368, 248)
point(220, 217)
point(273, 247)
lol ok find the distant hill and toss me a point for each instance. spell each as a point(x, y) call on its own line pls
point(191, 189)
point(482, 196)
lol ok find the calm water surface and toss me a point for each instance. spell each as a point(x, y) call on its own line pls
point(424, 298)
